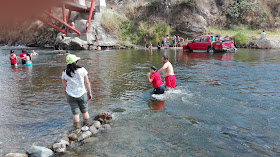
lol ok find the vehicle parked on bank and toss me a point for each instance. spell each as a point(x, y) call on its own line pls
point(210, 43)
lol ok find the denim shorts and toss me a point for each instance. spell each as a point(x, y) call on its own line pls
point(78, 104)
point(159, 90)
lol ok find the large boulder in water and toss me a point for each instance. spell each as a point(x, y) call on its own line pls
point(267, 44)
point(72, 43)
point(37, 151)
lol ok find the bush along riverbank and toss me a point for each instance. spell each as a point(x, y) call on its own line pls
point(131, 33)
point(101, 123)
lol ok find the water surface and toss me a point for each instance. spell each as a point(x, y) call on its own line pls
point(225, 104)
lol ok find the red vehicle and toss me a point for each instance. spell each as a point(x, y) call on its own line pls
point(210, 43)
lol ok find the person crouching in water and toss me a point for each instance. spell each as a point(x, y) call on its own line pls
point(77, 89)
point(154, 77)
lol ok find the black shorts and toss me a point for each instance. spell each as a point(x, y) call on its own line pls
point(23, 61)
point(159, 90)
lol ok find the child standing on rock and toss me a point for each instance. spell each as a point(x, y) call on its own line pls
point(77, 89)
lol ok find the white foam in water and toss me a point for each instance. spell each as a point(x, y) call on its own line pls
point(178, 92)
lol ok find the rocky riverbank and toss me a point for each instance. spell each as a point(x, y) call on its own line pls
point(101, 123)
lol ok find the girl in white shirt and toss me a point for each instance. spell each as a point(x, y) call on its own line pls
point(77, 89)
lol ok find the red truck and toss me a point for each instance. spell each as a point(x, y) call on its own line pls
point(210, 43)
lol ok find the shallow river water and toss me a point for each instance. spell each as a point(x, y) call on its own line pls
point(225, 104)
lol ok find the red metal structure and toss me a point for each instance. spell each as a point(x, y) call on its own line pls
point(71, 5)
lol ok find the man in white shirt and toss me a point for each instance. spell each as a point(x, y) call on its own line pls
point(263, 35)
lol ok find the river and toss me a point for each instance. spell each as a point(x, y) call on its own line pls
point(225, 104)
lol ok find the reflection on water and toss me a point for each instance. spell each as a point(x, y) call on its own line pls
point(156, 105)
point(225, 104)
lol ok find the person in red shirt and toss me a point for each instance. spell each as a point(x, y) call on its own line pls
point(13, 58)
point(154, 77)
point(22, 57)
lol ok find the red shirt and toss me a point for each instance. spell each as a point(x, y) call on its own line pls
point(14, 60)
point(156, 80)
point(22, 55)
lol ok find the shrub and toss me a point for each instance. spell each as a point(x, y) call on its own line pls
point(239, 11)
point(240, 39)
point(128, 31)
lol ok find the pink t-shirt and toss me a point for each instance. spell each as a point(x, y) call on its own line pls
point(156, 80)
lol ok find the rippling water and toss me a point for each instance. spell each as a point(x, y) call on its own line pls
point(225, 104)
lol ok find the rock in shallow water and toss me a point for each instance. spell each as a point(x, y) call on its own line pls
point(267, 44)
point(38, 151)
point(91, 139)
point(84, 135)
point(73, 137)
point(93, 130)
point(85, 128)
point(97, 124)
point(15, 155)
point(107, 126)
point(60, 147)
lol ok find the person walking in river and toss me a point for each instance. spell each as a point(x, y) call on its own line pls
point(169, 76)
point(154, 77)
point(28, 59)
point(77, 89)
point(13, 58)
point(22, 57)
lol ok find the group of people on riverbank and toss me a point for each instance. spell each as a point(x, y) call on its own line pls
point(24, 57)
point(175, 41)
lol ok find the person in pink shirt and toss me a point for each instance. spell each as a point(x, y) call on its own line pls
point(154, 77)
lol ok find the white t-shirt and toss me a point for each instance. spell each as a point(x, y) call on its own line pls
point(263, 35)
point(75, 85)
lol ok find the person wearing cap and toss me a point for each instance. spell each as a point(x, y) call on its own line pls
point(154, 77)
point(77, 89)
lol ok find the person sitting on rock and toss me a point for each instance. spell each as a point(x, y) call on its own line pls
point(263, 34)
point(154, 77)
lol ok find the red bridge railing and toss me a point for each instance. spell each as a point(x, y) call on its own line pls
point(71, 5)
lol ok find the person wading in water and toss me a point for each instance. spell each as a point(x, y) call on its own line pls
point(77, 89)
point(154, 77)
point(169, 76)
point(13, 59)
